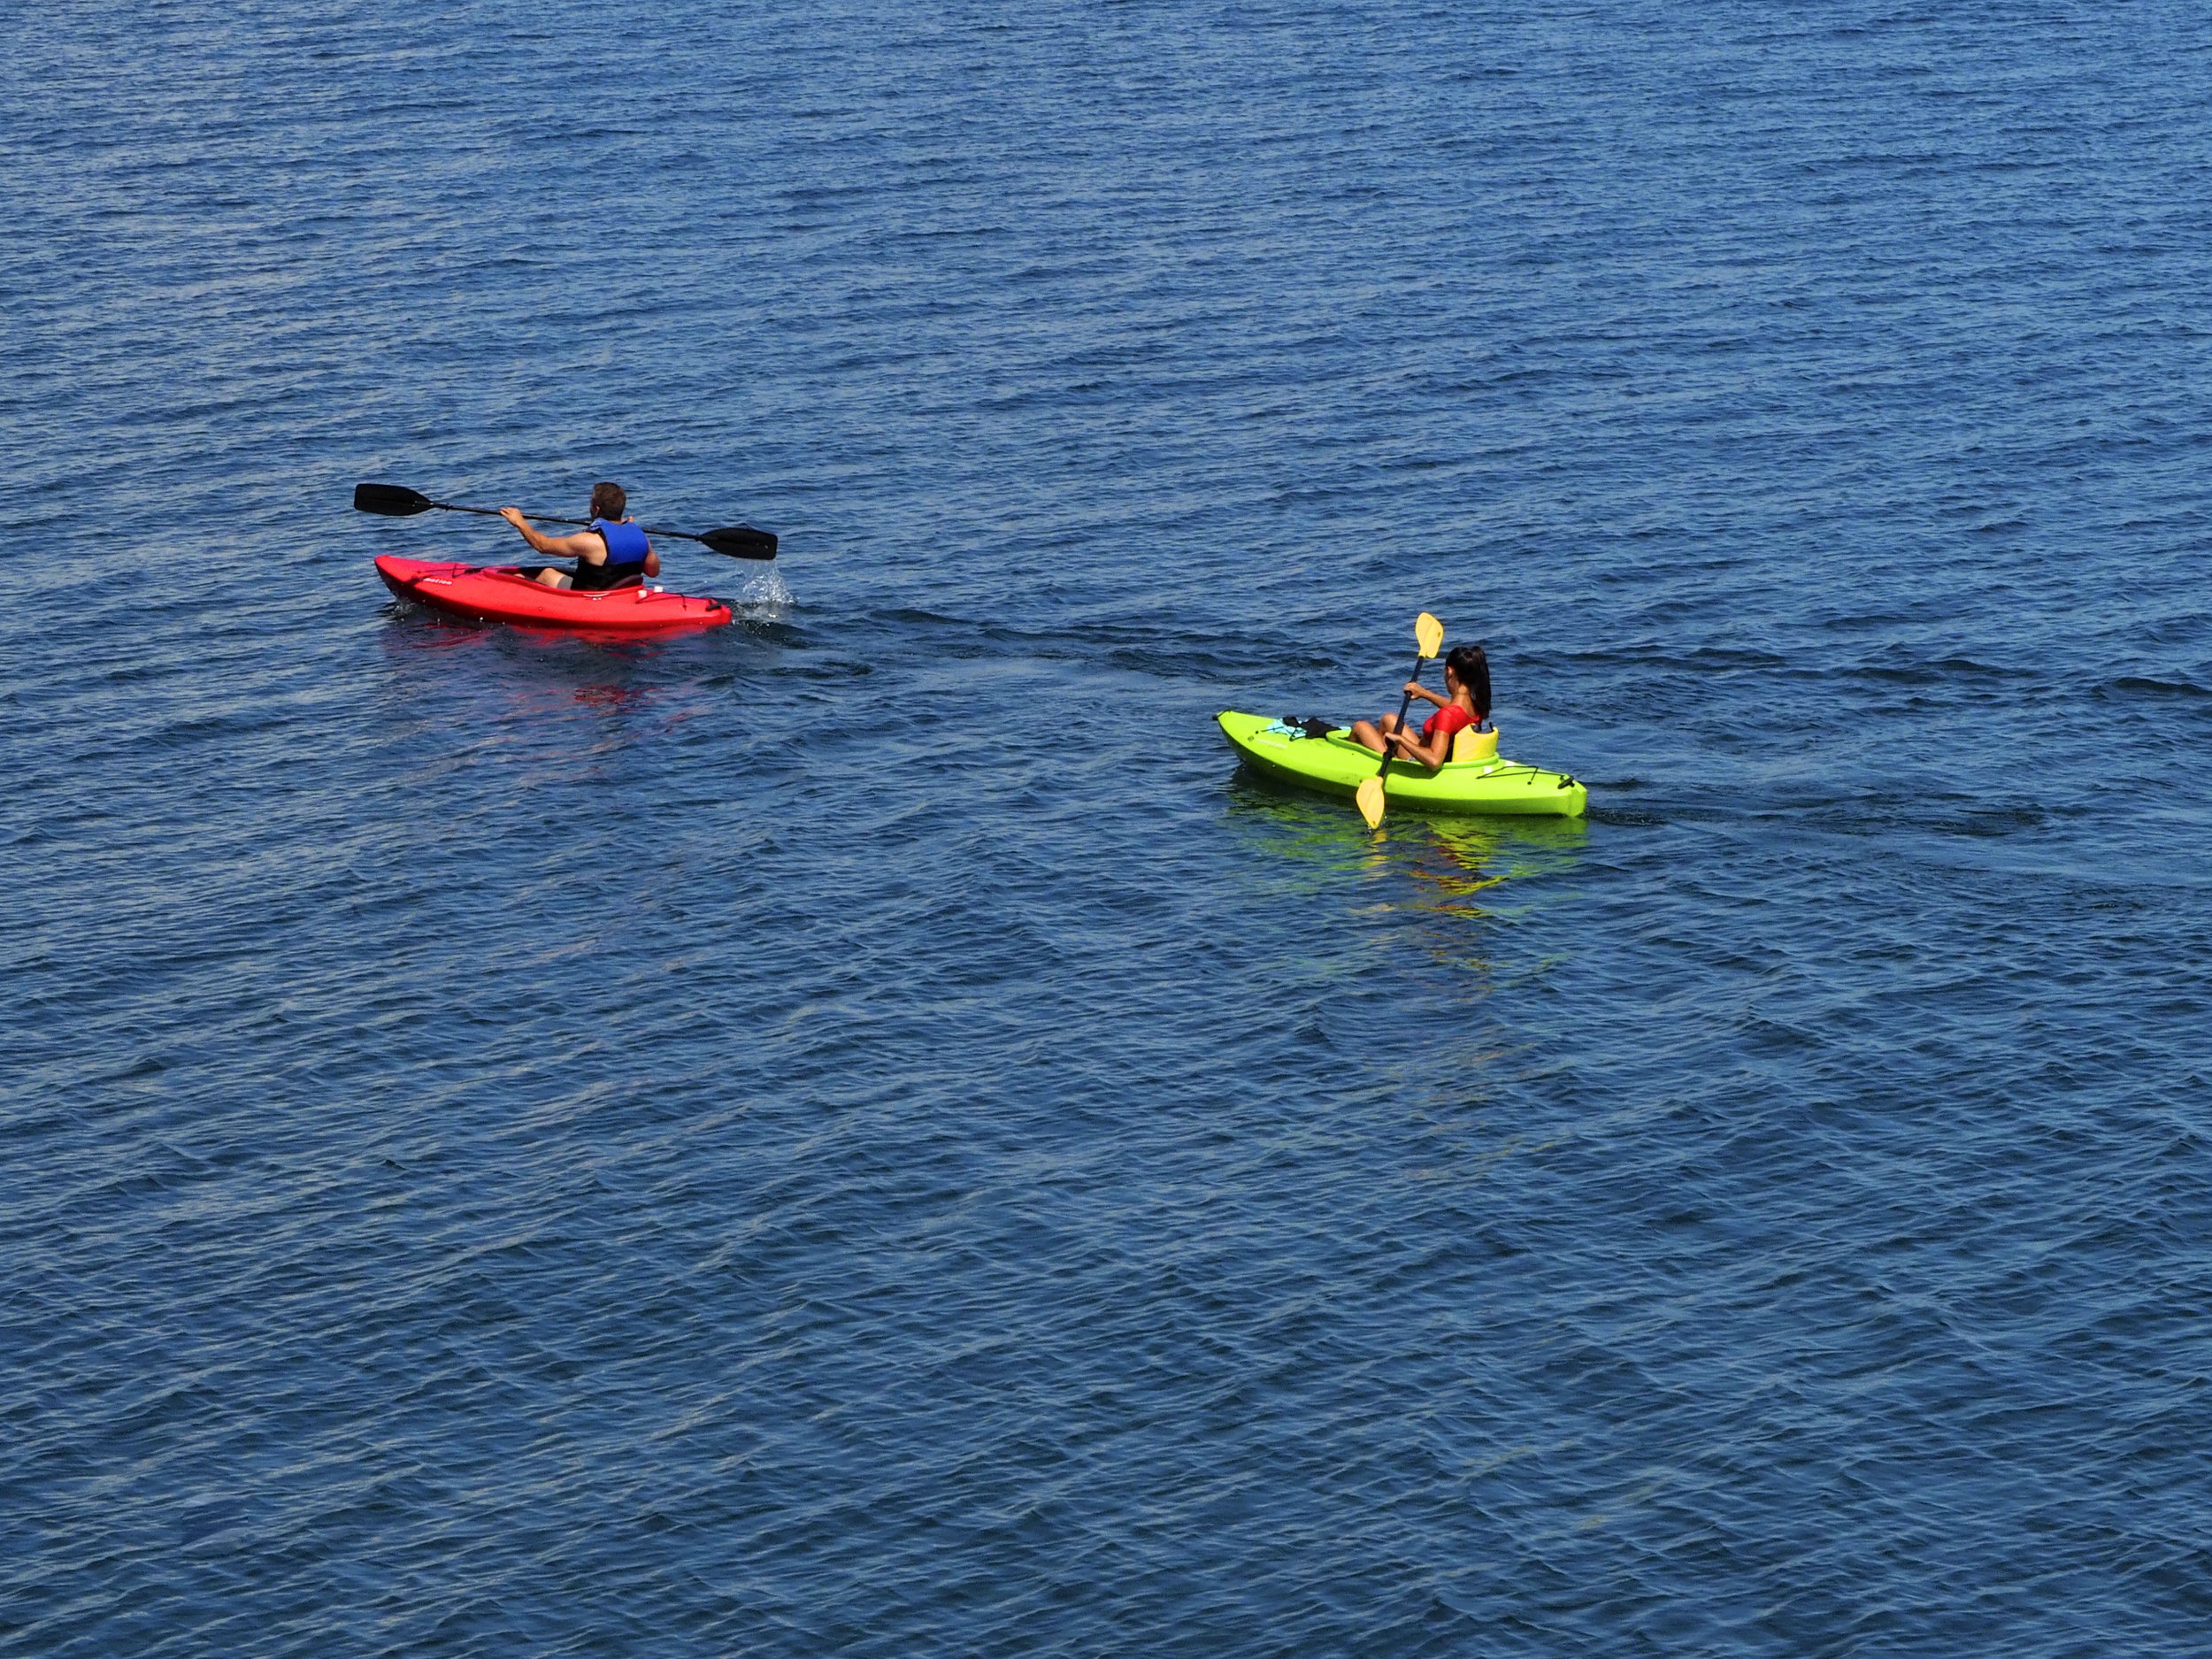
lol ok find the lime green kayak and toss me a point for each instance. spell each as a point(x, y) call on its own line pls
point(1336, 764)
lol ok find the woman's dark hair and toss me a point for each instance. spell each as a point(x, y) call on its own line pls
point(1472, 670)
point(607, 501)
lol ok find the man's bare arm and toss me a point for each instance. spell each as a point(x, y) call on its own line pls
point(585, 544)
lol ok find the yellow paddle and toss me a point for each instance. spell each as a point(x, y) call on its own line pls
point(1428, 633)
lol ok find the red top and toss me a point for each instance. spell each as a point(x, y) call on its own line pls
point(1451, 720)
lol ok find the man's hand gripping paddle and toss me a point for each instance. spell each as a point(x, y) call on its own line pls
point(1428, 633)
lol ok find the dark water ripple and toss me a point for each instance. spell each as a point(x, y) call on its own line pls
point(863, 1133)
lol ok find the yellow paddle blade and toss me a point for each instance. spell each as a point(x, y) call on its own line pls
point(1429, 633)
point(1370, 802)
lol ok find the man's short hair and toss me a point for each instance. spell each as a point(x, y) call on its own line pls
point(608, 502)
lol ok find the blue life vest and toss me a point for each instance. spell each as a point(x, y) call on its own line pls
point(625, 542)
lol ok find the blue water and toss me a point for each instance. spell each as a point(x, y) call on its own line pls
point(863, 1133)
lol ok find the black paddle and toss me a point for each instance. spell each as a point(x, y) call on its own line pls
point(396, 501)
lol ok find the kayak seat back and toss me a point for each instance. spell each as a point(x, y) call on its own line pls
point(1469, 744)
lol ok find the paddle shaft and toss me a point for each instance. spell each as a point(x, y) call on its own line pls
point(1406, 702)
point(493, 512)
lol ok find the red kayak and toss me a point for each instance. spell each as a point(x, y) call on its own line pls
point(489, 593)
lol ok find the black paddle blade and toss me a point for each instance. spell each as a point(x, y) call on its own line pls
point(394, 501)
point(740, 541)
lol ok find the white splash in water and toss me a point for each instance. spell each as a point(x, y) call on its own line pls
point(765, 599)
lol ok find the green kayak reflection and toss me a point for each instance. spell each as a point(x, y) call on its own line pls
point(1458, 860)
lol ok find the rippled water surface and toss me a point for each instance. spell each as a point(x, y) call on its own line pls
point(863, 1133)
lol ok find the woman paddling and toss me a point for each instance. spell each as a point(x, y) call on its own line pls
point(1464, 706)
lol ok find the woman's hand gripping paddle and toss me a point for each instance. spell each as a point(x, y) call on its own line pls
point(397, 501)
point(1428, 633)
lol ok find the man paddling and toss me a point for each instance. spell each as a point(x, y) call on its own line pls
point(612, 553)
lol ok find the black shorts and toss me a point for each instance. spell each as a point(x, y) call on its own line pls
point(593, 578)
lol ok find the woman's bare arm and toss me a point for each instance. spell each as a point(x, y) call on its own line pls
point(1416, 688)
point(1405, 746)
